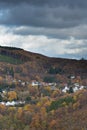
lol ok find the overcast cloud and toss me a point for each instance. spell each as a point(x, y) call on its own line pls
point(52, 27)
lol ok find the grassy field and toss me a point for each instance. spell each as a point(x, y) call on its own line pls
point(10, 60)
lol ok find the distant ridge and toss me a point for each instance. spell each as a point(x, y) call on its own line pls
point(37, 65)
point(10, 48)
point(13, 52)
point(20, 53)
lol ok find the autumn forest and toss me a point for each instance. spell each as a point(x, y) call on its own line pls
point(41, 93)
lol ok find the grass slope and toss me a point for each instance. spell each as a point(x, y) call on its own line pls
point(10, 60)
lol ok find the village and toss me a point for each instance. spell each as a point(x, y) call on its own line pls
point(15, 92)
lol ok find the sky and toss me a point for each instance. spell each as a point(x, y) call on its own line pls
point(55, 28)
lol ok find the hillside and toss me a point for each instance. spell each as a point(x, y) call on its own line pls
point(28, 103)
point(36, 66)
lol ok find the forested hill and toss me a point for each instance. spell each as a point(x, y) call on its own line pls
point(19, 53)
point(33, 64)
point(41, 93)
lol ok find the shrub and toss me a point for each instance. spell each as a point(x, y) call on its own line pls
point(59, 103)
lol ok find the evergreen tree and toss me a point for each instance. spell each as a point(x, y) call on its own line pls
point(70, 90)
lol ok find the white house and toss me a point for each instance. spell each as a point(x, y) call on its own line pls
point(65, 89)
point(35, 83)
point(10, 103)
point(76, 84)
point(72, 77)
point(23, 83)
point(81, 87)
point(75, 89)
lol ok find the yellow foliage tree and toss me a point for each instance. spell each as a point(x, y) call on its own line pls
point(12, 95)
point(19, 112)
point(28, 107)
point(53, 124)
point(48, 88)
point(2, 108)
point(76, 105)
point(48, 103)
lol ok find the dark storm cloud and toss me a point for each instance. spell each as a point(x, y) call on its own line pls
point(73, 3)
point(44, 13)
point(76, 32)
